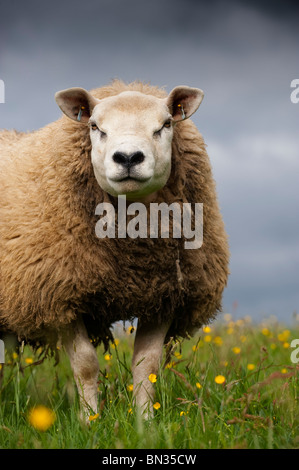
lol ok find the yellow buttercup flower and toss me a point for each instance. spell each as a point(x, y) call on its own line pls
point(131, 329)
point(93, 417)
point(265, 332)
point(218, 340)
point(250, 366)
point(236, 350)
point(156, 405)
point(29, 360)
point(130, 388)
point(107, 357)
point(284, 336)
point(41, 417)
point(152, 378)
point(208, 338)
point(220, 379)
point(198, 385)
point(206, 329)
point(178, 355)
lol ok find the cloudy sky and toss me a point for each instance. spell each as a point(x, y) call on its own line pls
point(244, 56)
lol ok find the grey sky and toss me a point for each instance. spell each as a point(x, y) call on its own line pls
point(242, 54)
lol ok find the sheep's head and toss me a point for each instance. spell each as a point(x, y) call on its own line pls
point(131, 135)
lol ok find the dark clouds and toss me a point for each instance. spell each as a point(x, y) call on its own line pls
point(242, 54)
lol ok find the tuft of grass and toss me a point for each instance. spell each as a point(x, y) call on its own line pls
point(232, 386)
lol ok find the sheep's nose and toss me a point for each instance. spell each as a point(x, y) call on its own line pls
point(128, 160)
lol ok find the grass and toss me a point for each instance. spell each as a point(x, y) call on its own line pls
point(256, 407)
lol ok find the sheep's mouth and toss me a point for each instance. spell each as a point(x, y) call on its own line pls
point(129, 178)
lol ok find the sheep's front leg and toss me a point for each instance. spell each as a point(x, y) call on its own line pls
point(148, 349)
point(84, 363)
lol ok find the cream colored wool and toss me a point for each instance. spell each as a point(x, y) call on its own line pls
point(52, 265)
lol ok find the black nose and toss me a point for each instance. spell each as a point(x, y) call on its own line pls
point(128, 160)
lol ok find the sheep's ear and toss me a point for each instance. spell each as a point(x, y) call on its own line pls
point(183, 101)
point(76, 103)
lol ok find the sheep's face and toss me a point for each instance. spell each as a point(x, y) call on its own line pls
point(131, 136)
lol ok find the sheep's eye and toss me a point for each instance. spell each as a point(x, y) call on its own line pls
point(94, 127)
point(167, 125)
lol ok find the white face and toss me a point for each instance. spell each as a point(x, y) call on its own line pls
point(131, 136)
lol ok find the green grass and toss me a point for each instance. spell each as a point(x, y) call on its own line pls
point(255, 408)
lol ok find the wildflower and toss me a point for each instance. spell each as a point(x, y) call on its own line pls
point(284, 336)
point(273, 346)
point(206, 329)
point(195, 348)
point(266, 332)
point(230, 330)
point(208, 338)
point(183, 413)
point(107, 357)
point(243, 338)
point(41, 417)
point(220, 379)
point(14, 355)
point(115, 343)
point(178, 355)
point(224, 363)
point(170, 364)
point(236, 350)
point(284, 370)
point(286, 345)
point(29, 360)
point(198, 385)
point(131, 329)
point(130, 411)
point(152, 378)
point(250, 366)
point(156, 405)
point(130, 388)
point(218, 340)
point(93, 417)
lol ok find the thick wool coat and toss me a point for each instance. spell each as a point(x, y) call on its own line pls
point(54, 267)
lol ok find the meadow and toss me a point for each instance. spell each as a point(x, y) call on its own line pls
point(232, 386)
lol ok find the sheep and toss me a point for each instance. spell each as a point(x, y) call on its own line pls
point(58, 280)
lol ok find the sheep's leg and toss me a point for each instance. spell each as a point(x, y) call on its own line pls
point(148, 349)
point(85, 366)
